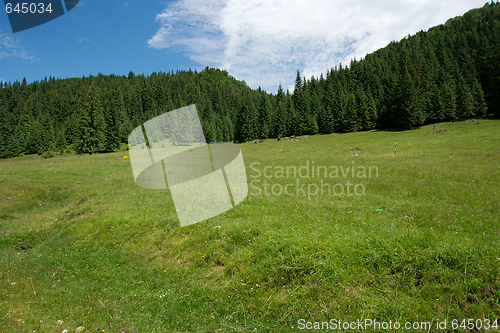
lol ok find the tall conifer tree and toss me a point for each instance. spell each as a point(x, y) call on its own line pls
point(92, 125)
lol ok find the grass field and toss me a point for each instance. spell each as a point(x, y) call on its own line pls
point(81, 243)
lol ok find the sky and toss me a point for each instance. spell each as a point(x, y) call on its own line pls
point(263, 43)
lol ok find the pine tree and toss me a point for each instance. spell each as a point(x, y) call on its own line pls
point(280, 121)
point(71, 125)
point(312, 113)
point(264, 114)
point(217, 129)
point(61, 142)
point(479, 101)
point(12, 146)
point(352, 120)
point(312, 125)
point(37, 143)
point(280, 128)
point(292, 119)
point(247, 118)
point(363, 111)
point(227, 129)
point(112, 128)
point(339, 110)
point(406, 110)
point(299, 106)
point(92, 126)
point(372, 112)
point(184, 133)
point(207, 130)
point(326, 122)
point(465, 100)
point(435, 112)
point(449, 102)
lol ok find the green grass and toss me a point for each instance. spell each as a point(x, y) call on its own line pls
point(81, 243)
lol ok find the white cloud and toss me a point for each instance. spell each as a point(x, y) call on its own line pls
point(265, 42)
point(11, 47)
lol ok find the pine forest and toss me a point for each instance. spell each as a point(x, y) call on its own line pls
point(450, 72)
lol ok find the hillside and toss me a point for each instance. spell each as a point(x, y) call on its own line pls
point(448, 73)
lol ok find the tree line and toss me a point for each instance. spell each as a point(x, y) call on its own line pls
point(450, 72)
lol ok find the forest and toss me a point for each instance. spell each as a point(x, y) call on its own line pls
point(450, 72)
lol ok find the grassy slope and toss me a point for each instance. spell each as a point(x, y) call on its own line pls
point(107, 255)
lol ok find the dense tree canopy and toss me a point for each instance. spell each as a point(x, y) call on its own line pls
point(450, 72)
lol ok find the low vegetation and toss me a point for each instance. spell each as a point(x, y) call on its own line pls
point(82, 246)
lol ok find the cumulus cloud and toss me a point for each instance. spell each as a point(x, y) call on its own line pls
point(265, 42)
point(11, 47)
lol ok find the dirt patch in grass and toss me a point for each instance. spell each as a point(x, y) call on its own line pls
point(439, 132)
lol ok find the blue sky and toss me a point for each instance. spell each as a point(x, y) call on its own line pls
point(261, 42)
point(108, 37)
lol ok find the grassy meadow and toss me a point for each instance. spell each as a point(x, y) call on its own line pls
point(83, 246)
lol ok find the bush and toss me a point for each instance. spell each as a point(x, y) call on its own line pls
point(47, 154)
point(68, 151)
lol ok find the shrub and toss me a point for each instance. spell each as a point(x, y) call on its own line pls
point(47, 154)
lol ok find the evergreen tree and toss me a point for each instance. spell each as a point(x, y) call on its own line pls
point(61, 142)
point(351, 116)
point(435, 112)
point(372, 112)
point(465, 103)
point(228, 129)
point(112, 127)
point(299, 106)
point(339, 110)
point(280, 128)
point(293, 122)
point(92, 125)
point(72, 124)
point(217, 129)
point(207, 130)
point(264, 115)
point(326, 121)
point(406, 109)
point(280, 120)
point(449, 102)
point(479, 101)
point(246, 124)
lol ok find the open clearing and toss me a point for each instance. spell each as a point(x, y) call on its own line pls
point(83, 246)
